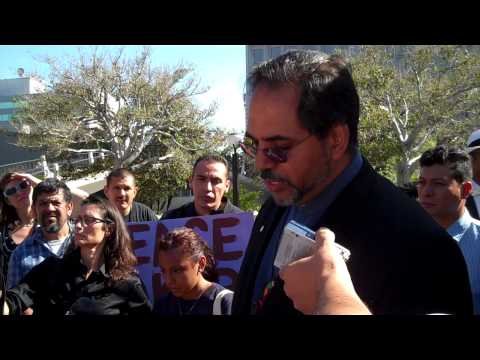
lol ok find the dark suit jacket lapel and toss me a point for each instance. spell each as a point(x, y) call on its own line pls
point(262, 232)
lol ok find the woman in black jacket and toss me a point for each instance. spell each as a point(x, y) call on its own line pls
point(96, 276)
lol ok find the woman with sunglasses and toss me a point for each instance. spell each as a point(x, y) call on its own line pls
point(95, 277)
point(16, 212)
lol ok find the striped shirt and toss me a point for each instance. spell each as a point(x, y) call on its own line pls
point(466, 231)
point(32, 252)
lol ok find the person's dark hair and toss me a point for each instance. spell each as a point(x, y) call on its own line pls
point(120, 173)
point(327, 91)
point(120, 260)
point(191, 245)
point(212, 158)
point(456, 160)
point(52, 186)
point(8, 214)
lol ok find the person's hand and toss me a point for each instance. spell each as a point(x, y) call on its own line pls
point(321, 284)
point(29, 177)
point(6, 309)
point(28, 311)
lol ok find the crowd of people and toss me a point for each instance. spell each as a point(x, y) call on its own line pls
point(63, 251)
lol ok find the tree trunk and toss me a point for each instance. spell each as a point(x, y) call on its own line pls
point(403, 172)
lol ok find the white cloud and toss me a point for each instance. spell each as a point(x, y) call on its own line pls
point(229, 97)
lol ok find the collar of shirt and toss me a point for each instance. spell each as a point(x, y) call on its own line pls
point(458, 228)
point(76, 257)
point(309, 213)
point(38, 237)
point(191, 211)
point(102, 268)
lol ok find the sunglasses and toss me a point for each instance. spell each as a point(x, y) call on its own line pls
point(89, 220)
point(276, 154)
point(14, 189)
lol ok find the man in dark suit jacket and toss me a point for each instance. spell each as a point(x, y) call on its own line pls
point(302, 131)
point(473, 149)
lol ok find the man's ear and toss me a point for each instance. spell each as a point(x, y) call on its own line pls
point(227, 185)
point(466, 189)
point(202, 263)
point(339, 138)
point(69, 208)
point(135, 191)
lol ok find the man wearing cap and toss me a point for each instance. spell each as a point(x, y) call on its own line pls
point(473, 148)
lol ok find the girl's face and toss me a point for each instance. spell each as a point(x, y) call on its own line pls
point(180, 273)
point(20, 191)
point(90, 227)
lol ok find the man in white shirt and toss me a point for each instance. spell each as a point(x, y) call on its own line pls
point(473, 149)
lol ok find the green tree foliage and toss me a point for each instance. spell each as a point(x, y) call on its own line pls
point(142, 117)
point(249, 199)
point(116, 104)
point(412, 98)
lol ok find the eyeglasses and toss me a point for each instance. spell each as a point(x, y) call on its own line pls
point(14, 189)
point(276, 154)
point(89, 220)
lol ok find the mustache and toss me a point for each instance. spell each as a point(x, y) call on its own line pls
point(270, 175)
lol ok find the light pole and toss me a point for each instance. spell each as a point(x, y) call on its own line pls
point(234, 140)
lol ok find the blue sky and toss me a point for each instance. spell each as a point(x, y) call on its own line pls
point(220, 67)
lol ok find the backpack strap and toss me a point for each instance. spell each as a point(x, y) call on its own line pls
point(217, 303)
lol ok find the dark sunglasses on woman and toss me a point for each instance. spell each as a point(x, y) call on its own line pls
point(14, 189)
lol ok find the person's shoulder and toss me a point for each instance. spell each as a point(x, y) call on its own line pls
point(179, 212)
point(142, 212)
point(141, 206)
point(230, 208)
point(268, 209)
point(216, 289)
point(27, 244)
point(131, 279)
point(224, 295)
point(475, 224)
point(131, 283)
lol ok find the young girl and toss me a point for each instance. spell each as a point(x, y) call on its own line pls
point(188, 269)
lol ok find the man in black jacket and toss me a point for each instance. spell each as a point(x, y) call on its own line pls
point(209, 183)
point(121, 190)
point(302, 131)
point(473, 148)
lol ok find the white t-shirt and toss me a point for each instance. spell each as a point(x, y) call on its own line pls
point(55, 245)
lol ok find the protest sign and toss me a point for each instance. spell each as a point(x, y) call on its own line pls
point(226, 234)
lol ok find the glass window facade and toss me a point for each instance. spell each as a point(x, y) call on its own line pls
point(7, 105)
point(275, 51)
point(258, 56)
point(5, 117)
